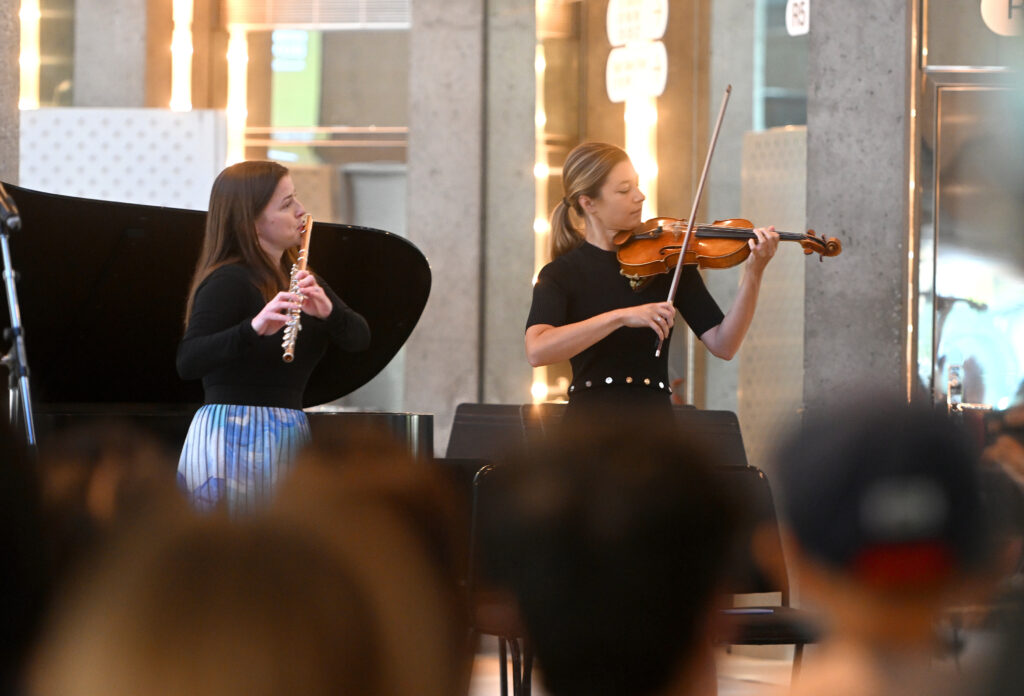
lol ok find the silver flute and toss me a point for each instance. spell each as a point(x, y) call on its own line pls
point(294, 323)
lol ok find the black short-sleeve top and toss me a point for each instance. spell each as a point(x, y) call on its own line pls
point(586, 282)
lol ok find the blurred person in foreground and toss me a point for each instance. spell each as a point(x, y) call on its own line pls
point(24, 580)
point(402, 524)
point(882, 506)
point(205, 606)
point(61, 509)
point(343, 586)
point(97, 479)
point(615, 544)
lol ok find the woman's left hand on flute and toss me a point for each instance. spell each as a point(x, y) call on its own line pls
point(315, 301)
point(725, 339)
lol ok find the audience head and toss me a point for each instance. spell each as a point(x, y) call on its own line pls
point(885, 493)
point(615, 543)
point(399, 524)
point(24, 581)
point(210, 606)
point(96, 479)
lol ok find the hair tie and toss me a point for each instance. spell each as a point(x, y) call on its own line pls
point(565, 202)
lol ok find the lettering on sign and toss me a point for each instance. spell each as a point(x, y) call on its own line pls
point(798, 17)
point(1004, 17)
point(636, 20)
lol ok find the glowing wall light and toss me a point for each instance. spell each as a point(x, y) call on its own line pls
point(641, 121)
point(237, 111)
point(181, 56)
point(541, 173)
point(539, 391)
point(29, 58)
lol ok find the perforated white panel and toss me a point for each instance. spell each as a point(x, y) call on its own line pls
point(148, 156)
point(774, 180)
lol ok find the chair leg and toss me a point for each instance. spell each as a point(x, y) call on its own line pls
point(798, 652)
point(502, 667)
point(517, 666)
point(522, 666)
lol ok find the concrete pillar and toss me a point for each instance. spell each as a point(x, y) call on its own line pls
point(510, 195)
point(445, 204)
point(732, 62)
point(857, 190)
point(122, 53)
point(10, 42)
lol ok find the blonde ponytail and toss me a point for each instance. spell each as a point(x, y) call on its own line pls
point(565, 236)
point(583, 174)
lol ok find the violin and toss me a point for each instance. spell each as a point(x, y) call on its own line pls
point(653, 247)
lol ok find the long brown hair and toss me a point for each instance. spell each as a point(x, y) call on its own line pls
point(583, 174)
point(239, 195)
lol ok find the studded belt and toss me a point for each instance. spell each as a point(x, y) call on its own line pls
point(608, 381)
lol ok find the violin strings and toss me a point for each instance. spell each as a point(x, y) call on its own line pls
point(741, 233)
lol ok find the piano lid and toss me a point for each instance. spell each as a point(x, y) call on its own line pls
point(102, 291)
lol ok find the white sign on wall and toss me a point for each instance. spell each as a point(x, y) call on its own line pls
point(636, 20)
point(638, 65)
point(1004, 17)
point(798, 17)
point(636, 70)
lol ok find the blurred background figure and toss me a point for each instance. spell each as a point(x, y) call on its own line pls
point(615, 545)
point(883, 504)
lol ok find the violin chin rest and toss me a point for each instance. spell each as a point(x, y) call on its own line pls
point(621, 236)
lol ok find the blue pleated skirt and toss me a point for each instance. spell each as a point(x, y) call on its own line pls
point(234, 455)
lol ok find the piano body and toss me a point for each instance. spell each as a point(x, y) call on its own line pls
point(102, 286)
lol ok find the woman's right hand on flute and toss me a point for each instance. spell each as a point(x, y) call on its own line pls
point(274, 314)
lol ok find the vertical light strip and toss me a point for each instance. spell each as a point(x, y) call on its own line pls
point(642, 145)
point(181, 56)
point(912, 194)
point(541, 172)
point(29, 58)
point(237, 111)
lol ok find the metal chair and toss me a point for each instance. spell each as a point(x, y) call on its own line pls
point(765, 624)
point(495, 611)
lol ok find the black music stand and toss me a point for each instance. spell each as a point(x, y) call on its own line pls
point(19, 399)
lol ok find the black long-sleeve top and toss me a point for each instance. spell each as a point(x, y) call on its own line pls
point(237, 365)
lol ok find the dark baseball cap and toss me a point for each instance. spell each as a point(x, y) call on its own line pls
point(884, 491)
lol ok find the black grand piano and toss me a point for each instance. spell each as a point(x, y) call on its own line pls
point(102, 285)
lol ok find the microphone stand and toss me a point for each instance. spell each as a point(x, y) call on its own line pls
point(16, 360)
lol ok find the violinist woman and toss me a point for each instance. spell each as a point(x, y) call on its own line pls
point(245, 436)
point(584, 311)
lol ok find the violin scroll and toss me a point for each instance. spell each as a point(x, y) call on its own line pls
point(825, 246)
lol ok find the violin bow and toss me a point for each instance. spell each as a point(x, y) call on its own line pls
point(693, 210)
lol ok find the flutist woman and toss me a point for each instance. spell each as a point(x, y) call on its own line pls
point(243, 439)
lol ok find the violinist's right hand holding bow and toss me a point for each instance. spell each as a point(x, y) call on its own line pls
point(658, 316)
